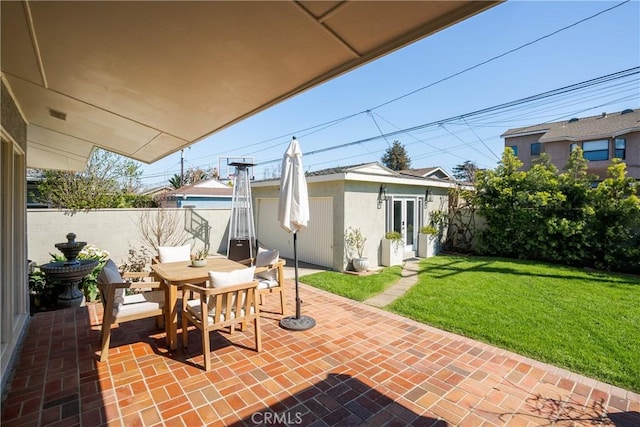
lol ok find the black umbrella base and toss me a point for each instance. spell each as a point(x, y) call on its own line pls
point(297, 324)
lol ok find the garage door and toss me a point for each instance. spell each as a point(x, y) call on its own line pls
point(315, 243)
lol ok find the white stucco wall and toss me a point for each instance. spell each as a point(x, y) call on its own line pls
point(355, 204)
point(361, 211)
point(114, 230)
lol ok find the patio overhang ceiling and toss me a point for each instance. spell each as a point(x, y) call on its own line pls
point(146, 79)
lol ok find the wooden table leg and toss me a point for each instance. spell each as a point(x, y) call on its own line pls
point(171, 296)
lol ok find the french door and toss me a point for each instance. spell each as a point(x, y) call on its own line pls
point(403, 219)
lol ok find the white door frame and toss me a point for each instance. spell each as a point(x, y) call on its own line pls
point(403, 216)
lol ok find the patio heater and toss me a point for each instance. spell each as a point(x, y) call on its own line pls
point(242, 232)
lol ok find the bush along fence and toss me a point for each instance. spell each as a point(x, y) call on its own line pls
point(561, 218)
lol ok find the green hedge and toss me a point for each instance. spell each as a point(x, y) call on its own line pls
point(562, 218)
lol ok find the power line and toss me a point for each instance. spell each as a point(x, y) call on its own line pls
point(543, 95)
point(322, 126)
point(499, 56)
point(377, 126)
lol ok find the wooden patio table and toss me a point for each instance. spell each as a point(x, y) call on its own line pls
point(177, 273)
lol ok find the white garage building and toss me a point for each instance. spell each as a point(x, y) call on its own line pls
point(367, 196)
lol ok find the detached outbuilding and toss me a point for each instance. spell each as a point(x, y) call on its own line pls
point(369, 196)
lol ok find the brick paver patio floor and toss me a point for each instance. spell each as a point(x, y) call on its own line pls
point(359, 366)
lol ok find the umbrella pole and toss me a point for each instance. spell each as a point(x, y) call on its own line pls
point(295, 269)
point(299, 322)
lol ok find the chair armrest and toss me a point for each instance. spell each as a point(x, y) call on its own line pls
point(279, 263)
point(223, 290)
point(139, 275)
point(248, 262)
point(132, 285)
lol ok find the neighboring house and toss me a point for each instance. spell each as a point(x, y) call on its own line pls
point(210, 194)
point(367, 196)
point(601, 137)
point(432, 172)
point(157, 193)
point(34, 178)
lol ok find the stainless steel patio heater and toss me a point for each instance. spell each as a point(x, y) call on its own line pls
point(242, 231)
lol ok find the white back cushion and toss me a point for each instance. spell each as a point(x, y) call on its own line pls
point(220, 279)
point(110, 274)
point(266, 257)
point(174, 253)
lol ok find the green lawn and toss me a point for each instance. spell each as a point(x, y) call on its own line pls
point(355, 287)
point(584, 321)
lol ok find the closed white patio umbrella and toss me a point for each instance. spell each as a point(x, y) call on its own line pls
point(293, 215)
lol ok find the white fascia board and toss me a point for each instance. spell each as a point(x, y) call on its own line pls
point(381, 179)
point(401, 180)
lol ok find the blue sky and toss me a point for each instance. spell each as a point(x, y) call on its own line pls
point(602, 45)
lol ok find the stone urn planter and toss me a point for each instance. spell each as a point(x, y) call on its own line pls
point(354, 244)
point(360, 264)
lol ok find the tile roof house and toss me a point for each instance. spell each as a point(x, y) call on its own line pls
point(209, 193)
point(601, 137)
point(432, 172)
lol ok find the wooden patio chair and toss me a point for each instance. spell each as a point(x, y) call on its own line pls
point(231, 300)
point(269, 274)
point(120, 308)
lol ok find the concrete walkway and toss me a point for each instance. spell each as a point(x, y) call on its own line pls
point(409, 278)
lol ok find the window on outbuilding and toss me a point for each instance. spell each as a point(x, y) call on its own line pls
point(596, 150)
point(515, 149)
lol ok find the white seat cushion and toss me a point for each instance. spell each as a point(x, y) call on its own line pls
point(174, 253)
point(193, 306)
point(267, 284)
point(139, 303)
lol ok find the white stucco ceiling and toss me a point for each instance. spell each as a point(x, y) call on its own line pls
point(145, 79)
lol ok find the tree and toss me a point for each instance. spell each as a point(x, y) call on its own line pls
point(101, 185)
point(498, 193)
point(175, 181)
point(396, 158)
point(191, 176)
point(465, 171)
point(162, 227)
point(616, 225)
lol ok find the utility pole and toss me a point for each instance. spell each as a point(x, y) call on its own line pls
point(181, 167)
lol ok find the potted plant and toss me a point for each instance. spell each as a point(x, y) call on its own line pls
point(427, 241)
point(430, 236)
point(392, 248)
point(199, 258)
point(354, 242)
